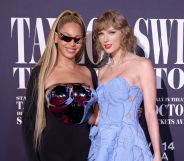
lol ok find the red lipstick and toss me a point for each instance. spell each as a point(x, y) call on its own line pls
point(107, 46)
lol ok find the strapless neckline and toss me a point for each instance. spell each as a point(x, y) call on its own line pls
point(71, 103)
point(118, 135)
point(100, 83)
point(67, 84)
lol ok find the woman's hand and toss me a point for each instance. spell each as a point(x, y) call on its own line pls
point(94, 118)
point(140, 111)
point(157, 158)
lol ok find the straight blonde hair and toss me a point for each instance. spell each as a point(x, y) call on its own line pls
point(47, 63)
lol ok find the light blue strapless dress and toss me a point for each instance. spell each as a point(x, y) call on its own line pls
point(118, 136)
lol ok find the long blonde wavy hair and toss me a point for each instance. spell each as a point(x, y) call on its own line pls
point(47, 63)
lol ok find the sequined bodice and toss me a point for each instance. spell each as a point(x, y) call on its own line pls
point(71, 103)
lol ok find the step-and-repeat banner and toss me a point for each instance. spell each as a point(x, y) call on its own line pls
point(158, 26)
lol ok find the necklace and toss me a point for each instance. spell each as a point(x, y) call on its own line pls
point(118, 63)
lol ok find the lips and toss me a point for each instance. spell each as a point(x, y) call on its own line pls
point(70, 50)
point(107, 46)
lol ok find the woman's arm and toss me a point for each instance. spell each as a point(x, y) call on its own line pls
point(148, 84)
point(29, 115)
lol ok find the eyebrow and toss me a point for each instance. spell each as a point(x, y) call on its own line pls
point(70, 35)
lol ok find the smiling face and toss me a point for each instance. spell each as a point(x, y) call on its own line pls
point(110, 40)
point(69, 40)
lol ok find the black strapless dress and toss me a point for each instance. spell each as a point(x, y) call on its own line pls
point(66, 136)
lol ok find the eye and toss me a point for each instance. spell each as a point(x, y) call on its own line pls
point(78, 40)
point(112, 32)
point(100, 33)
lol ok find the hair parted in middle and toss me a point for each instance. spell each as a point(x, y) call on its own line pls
point(47, 63)
point(113, 18)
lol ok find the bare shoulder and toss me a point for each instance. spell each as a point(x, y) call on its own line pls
point(145, 63)
point(85, 70)
point(146, 68)
point(142, 62)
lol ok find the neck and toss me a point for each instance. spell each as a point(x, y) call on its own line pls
point(118, 58)
point(66, 63)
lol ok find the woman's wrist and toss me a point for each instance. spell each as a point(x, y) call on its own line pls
point(157, 155)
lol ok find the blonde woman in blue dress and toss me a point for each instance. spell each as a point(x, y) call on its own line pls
point(123, 83)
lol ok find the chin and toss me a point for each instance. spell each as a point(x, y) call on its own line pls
point(71, 55)
point(107, 52)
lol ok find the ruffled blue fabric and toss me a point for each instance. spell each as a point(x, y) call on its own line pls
point(118, 136)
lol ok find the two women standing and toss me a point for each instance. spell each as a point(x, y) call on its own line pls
point(61, 96)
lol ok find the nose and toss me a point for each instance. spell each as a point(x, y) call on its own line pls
point(106, 38)
point(72, 42)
